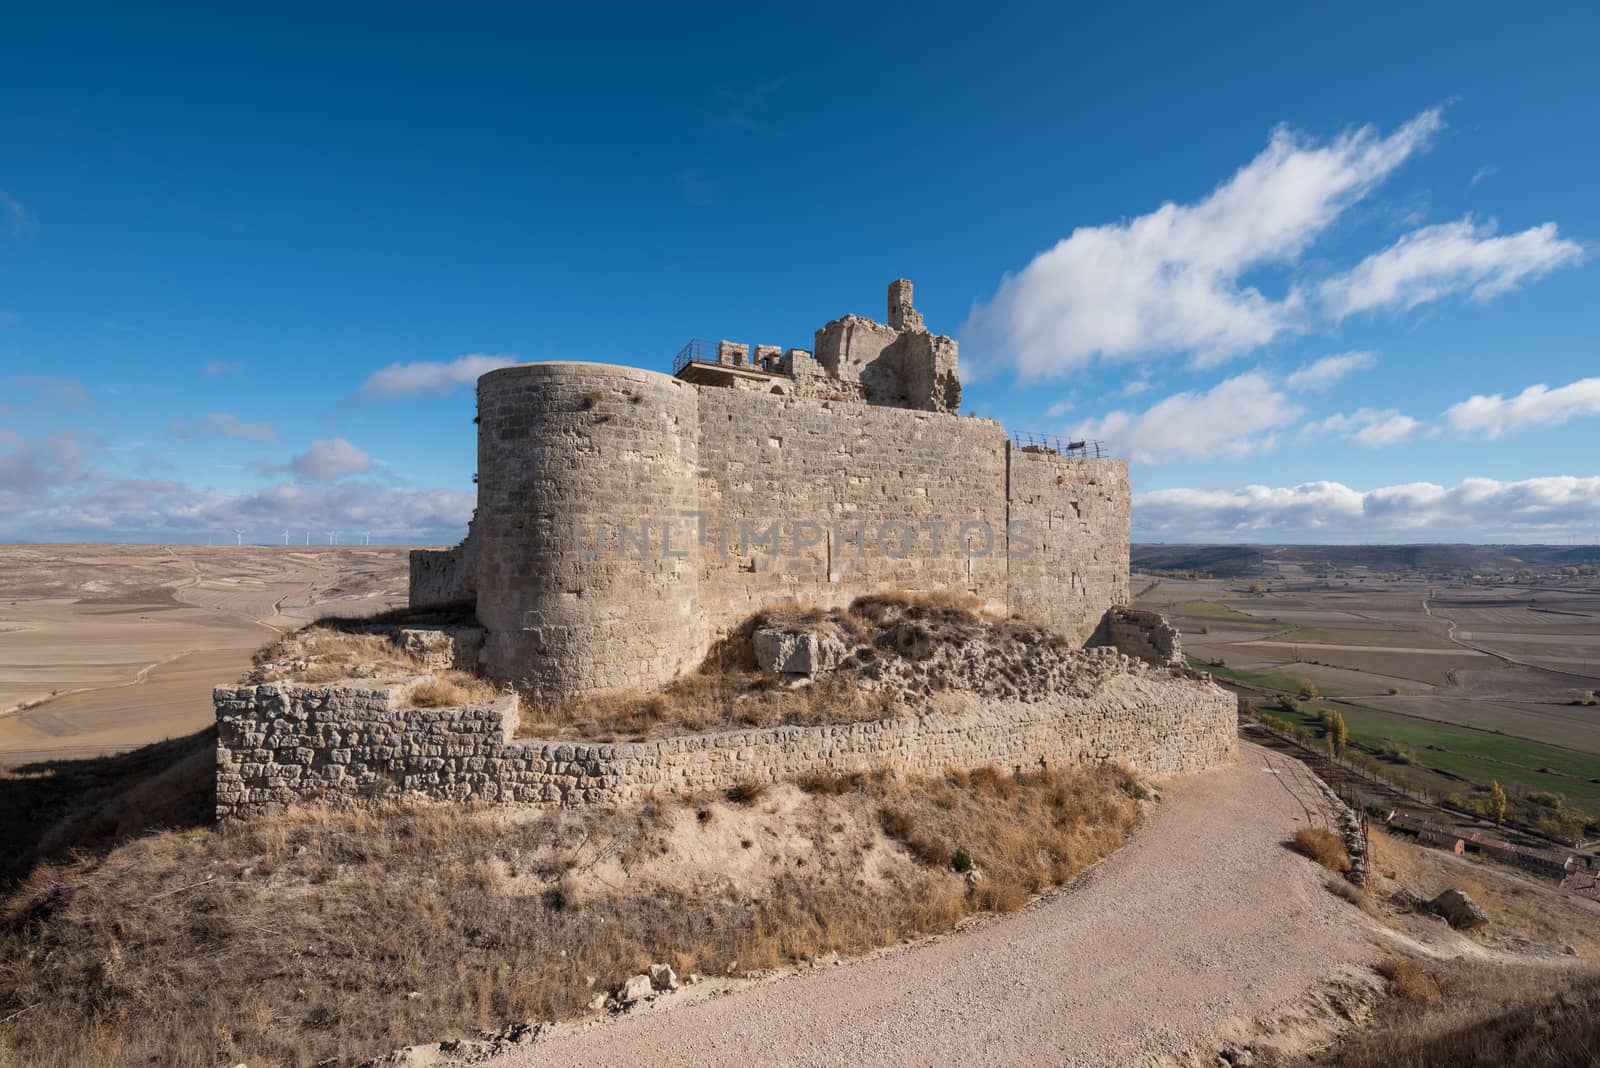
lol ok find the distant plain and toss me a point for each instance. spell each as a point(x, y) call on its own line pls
point(108, 647)
point(1474, 680)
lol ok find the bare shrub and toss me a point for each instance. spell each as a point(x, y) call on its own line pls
point(1323, 846)
point(747, 793)
point(1407, 980)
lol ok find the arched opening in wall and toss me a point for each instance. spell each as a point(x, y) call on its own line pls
point(778, 390)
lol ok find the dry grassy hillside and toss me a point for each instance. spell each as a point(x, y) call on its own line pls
point(333, 936)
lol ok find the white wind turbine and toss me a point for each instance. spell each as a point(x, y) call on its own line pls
point(238, 537)
point(331, 533)
point(366, 539)
point(286, 536)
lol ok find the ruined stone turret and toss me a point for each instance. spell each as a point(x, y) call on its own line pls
point(899, 364)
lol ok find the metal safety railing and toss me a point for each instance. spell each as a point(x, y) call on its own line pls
point(705, 351)
point(698, 350)
point(1087, 448)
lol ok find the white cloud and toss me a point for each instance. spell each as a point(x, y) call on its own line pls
point(1136, 388)
point(1473, 509)
point(226, 424)
point(217, 368)
point(1323, 373)
point(1435, 261)
point(1168, 282)
point(1536, 406)
point(1367, 426)
point(432, 376)
point(329, 459)
point(50, 491)
point(1233, 418)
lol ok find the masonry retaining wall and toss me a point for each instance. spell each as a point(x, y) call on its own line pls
point(289, 743)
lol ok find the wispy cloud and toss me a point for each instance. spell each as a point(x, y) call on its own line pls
point(1455, 257)
point(1238, 416)
point(1535, 407)
point(744, 107)
point(1367, 427)
point(432, 376)
point(49, 490)
point(1326, 510)
point(1168, 282)
point(218, 368)
point(67, 392)
point(1320, 374)
point(225, 424)
point(18, 220)
point(33, 468)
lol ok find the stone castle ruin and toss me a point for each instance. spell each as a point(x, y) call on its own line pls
point(629, 520)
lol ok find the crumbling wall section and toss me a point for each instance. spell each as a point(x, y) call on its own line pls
point(284, 744)
point(899, 364)
point(1149, 636)
point(445, 576)
point(1077, 511)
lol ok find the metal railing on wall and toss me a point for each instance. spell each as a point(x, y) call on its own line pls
point(698, 350)
point(704, 350)
point(1087, 448)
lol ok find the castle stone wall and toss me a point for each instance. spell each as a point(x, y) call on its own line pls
point(856, 491)
point(626, 519)
point(281, 744)
point(1077, 510)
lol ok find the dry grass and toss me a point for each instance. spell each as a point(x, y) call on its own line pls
point(330, 652)
point(711, 699)
point(1478, 1016)
point(728, 691)
point(343, 934)
point(1520, 904)
point(1323, 846)
point(450, 689)
point(1408, 980)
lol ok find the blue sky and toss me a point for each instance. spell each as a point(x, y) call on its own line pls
point(1154, 226)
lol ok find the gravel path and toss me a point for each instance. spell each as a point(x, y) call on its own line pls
point(1202, 923)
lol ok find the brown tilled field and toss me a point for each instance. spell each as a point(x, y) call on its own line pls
point(107, 647)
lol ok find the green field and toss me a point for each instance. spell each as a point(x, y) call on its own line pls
point(1378, 639)
point(1282, 678)
point(1477, 756)
point(1213, 610)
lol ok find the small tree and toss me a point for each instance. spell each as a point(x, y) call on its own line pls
point(1309, 691)
point(1497, 802)
point(1337, 731)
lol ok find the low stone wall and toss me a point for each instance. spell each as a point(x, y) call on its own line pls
point(290, 743)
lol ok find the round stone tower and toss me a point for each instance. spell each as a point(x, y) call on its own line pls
point(587, 556)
